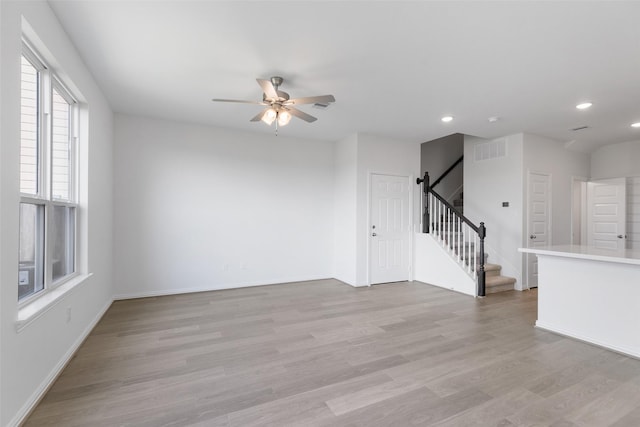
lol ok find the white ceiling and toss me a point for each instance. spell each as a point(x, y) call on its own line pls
point(394, 67)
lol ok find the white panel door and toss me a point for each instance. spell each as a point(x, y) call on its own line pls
point(539, 221)
point(606, 213)
point(390, 229)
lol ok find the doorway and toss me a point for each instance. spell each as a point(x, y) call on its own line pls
point(538, 220)
point(389, 229)
point(578, 210)
point(606, 213)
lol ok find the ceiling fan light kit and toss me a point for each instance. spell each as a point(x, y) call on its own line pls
point(284, 117)
point(269, 116)
point(279, 106)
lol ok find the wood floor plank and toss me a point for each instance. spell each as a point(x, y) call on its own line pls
point(322, 353)
point(568, 400)
point(489, 413)
point(608, 408)
point(361, 398)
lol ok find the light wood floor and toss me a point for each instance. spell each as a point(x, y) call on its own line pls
point(325, 354)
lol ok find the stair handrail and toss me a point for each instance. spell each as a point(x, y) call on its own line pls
point(445, 173)
point(480, 229)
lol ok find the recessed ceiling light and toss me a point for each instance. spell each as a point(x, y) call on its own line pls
point(447, 119)
point(493, 119)
point(635, 125)
point(584, 105)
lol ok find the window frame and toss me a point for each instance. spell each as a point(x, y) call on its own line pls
point(73, 137)
point(48, 81)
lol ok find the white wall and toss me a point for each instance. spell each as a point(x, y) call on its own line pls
point(488, 183)
point(345, 190)
point(4, 120)
point(622, 160)
point(384, 156)
point(616, 160)
point(32, 357)
point(200, 208)
point(435, 266)
point(549, 156)
point(436, 156)
point(355, 159)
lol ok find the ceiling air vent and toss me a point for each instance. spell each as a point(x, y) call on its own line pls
point(320, 106)
point(580, 128)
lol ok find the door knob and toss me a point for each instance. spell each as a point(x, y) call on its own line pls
point(533, 236)
point(620, 236)
point(374, 234)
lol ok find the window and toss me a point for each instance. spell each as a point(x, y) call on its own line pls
point(48, 203)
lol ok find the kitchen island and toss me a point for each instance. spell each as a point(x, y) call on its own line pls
point(590, 294)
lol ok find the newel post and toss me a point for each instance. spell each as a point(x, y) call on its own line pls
point(425, 200)
point(482, 232)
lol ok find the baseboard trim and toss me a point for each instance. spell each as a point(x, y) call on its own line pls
point(177, 291)
point(569, 334)
point(32, 402)
point(458, 291)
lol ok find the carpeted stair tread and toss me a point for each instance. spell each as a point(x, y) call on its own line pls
point(492, 270)
point(495, 284)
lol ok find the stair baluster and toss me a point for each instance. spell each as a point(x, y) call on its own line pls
point(456, 233)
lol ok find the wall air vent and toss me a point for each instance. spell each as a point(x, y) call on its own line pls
point(490, 150)
point(580, 128)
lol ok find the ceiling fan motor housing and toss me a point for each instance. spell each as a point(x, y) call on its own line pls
point(282, 96)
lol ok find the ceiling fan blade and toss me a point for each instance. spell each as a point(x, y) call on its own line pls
point(240, 101)
point(267, 88)
point(301, 115)
point(323, 99)
point(259, 116)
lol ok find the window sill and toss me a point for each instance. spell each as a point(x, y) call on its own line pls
point(36, 308)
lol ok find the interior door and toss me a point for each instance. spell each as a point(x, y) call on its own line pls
point(606, 213)
point(390, 229)
point(539, 220)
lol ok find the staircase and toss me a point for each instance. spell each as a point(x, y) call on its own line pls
point(461, 238)
point(494, 282)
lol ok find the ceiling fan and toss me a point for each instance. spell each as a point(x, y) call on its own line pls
point(279, 106)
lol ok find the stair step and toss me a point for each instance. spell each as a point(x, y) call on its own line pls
point(492, 270)
point(495, 284)
point(494, 281)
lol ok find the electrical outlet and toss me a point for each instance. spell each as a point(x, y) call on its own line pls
point(68, 314)
point(23, 278)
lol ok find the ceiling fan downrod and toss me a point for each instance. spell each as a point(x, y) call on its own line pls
point(276, 81)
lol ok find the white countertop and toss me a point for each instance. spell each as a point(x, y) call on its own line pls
point(623, 256)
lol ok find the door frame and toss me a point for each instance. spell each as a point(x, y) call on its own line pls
point(528, 217)
point(410, 178)
point(582, 211)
